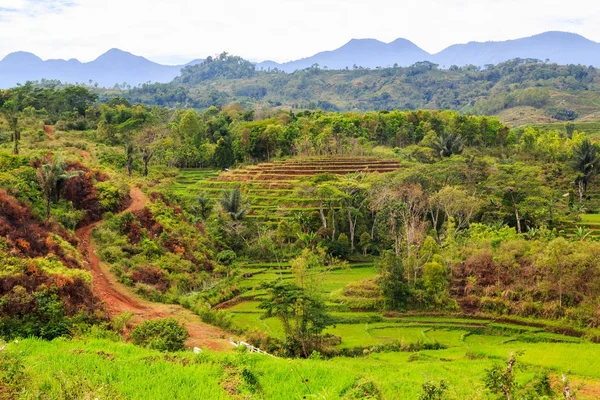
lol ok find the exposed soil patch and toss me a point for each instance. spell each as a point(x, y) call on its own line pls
point(119, 298)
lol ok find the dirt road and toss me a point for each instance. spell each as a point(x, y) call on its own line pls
point(119, 298)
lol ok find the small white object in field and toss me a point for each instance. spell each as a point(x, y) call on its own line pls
point(197, 350)
point(2, 348)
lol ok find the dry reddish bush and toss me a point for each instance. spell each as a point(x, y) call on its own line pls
point(80, 191)
point(151, 276)
point(483, 267)
point(147, 220)
point(75, 293)
point(28, 237)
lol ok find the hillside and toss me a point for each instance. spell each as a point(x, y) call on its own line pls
point(519, 91)
point(384, 254)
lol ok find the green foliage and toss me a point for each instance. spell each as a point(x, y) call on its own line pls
point(500, 380)
point(517, 84)
point(160, 334)
point(585, 162)
point(392, 282)
point(111, 195)
point(302, 314)
point(234, 205)
point(35, 314)
point(433, 390)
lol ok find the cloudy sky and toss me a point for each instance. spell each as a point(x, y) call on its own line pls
point(177, 31)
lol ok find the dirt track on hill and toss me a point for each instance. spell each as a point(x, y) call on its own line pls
point(119, 298)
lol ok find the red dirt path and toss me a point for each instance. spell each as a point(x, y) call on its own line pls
point(119, 298)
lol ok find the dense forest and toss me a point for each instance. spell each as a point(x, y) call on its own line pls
point(304, 232)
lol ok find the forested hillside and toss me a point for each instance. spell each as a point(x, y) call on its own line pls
point(519, 91)
point(362, 245)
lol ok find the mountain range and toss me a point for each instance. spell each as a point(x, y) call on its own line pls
point(113, 67)
point(117, 66)
point(557, 47)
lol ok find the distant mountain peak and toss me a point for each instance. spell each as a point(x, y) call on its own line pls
point(115, 54)
point(21, 57)
point(113, 67)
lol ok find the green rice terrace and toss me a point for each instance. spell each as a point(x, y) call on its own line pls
point(412, 345)
point(271, 188)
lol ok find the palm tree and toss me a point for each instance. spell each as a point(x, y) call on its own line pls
point(447, 144)
point(52, 176)
point(233, 204)
point(205, 205)
point(585, 162)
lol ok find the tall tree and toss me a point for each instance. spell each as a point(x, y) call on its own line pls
point(10, 108)
point(354, 200)
point(302, 314)
point(586, 163)
point(51, 177)
point(145, 142)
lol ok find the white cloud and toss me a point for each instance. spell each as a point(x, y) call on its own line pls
point(272, 29)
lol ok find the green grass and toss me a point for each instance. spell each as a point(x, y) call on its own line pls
point(103, 369)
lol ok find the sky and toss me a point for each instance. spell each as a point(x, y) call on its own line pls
point(177, 31)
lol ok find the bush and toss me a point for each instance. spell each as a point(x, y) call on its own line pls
point(111, 195)
point(433, 390)
point(161, 334)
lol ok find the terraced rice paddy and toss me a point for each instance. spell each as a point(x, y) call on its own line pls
point(270, 187)
point(588, 225)
point(360, 329)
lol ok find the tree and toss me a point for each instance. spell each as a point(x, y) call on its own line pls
point(586, 163)
point(447, 144)
point(129, 151)
point(325, 192)
point(404, 204)
point(10, 108)
point(51, 177)
point(269, 137)
point(364, 242)
point(435, 283)
point(190, 128)
point(145, 141)
point(205, 205)
point(501, 381)
point(391, 280)
point(454, 203)
point(234, 205)
point(520, 191)
point(558, 258)
point(354, 200)
point(303, 316)
point(223, 156)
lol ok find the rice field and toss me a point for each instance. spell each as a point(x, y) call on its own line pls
point(588, 226)
point(98, 368)
point(269, 187)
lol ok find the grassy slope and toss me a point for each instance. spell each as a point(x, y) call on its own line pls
point(99, 368)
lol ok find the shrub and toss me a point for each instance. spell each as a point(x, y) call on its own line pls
point(161, 334)
point(433, 390)
point(361, 389)
point(111, 195)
